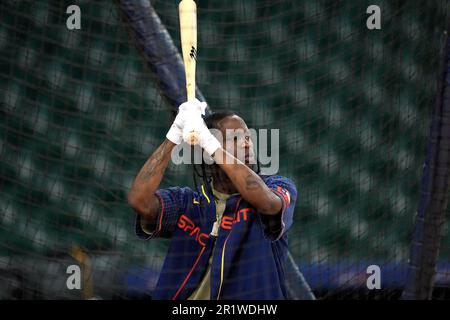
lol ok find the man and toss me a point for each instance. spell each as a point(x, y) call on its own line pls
point(229, 238)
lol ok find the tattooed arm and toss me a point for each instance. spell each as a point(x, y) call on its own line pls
point(251, 187)
point(141, 196)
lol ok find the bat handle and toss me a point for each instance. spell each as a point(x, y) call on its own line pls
point(190, 91)
point(193, 138)
point(190, 135)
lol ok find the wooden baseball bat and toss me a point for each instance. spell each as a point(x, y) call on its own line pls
point(188, 32)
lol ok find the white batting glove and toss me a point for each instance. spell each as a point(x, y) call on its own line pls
point(186, 111)
point(206, 139)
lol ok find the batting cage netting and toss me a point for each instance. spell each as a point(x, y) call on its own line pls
point(82, 109)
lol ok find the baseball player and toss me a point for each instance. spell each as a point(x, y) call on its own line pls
point(229, 236)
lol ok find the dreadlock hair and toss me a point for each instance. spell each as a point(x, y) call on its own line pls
point(203, 171)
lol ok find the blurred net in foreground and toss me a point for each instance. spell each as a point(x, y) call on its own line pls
point(80, 114)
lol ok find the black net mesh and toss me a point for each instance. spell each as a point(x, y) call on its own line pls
point(80, 114)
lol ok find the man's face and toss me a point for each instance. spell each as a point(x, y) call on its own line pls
point(237, 139)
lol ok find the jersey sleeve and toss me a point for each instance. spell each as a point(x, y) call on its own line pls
point(173, 202)
point(275, 226)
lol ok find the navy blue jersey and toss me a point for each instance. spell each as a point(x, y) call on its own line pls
point(249, 255)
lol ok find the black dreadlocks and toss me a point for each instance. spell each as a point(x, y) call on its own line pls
point(204, 171)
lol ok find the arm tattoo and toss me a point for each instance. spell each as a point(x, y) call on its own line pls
point(252, 183)
point(154, 162)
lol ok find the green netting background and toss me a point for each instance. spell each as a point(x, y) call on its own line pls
point(80, 114)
